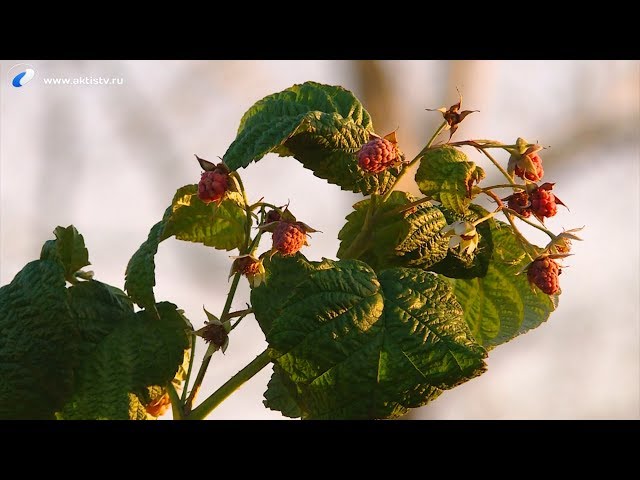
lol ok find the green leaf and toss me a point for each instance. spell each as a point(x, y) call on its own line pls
point(329, 147)
point(392, 237)
point(456, 265)
point(322, 126)
point(38, 343)
point(446, 175)
point(502, 305)
point(221, 226)
point(352, 345)
point(140, 275)
point(98, 309)
point(68, 248)
point(140, 352)
point(279, 396)
point(282, 275)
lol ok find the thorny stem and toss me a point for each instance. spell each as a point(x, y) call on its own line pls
point(235, 382)
point(407, 166)
point(205, 363)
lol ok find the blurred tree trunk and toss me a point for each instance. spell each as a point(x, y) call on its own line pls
point(376, 94)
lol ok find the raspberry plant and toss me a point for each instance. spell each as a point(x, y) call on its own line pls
point(422, 290)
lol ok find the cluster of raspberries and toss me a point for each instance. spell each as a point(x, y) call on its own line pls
point(538, 200)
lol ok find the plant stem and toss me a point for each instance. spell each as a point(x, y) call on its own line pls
point(507, 213)
point(407, 166)
point(256, 241)
point(215, 399)
point(495, 197)
point(183, 397)
point(239, 313)
point(205, 363)
point(487, 217)
point(236, 324)
point(482, 144)
point(521, 238)
point(176, 405)
point(539, 227)
point(262, 204)
point(404, 208)
point(504, 185)
point(247, 208)
point(499, 167)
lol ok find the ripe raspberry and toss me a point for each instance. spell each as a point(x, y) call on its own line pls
point(543, 273)
point(543, 203)
point(534, 176)
point(377, 155)
point(213, 185)
point(288, 238)
point(519, 203)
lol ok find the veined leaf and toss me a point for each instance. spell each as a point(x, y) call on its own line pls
point(68, 249)
point(140, 352)
point(350, 344)
point(38, 343)
point(445, 174)
point(322, 126)
point(222, 226)
point(502, 305)
point(392, 237)
point(457, 265)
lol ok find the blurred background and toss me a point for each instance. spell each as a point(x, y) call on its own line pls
point(108, 158)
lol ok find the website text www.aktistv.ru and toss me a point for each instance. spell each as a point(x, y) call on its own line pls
point(83, 80)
